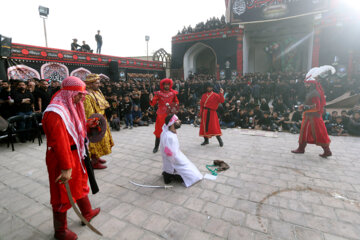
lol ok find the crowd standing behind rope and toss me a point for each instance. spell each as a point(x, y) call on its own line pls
point(266, 101)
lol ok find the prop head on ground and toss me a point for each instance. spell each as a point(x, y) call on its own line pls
point(222, 165)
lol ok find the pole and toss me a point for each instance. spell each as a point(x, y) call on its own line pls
point(147, 50)
point(45, 32)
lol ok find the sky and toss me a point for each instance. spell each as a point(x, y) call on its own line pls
point(123, 23)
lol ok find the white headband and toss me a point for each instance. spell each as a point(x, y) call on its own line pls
point(172, 120)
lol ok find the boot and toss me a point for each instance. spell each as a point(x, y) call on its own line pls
point(206, 141)
point(300, 149)
point(102, 161)
point(60, 226)
point(167, 177)
point(178, 178)
point(96, 164)
point(327, 152)
point(157, 143)
point(86, 209)
point(221, 143)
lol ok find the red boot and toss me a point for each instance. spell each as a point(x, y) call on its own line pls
point(327, 152)
point(60, 226)
point(300, 149)
point(96, 164)
point(86, 209)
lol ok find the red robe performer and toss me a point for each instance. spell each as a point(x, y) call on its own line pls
point(65, 128)
point(165, 98)
point(210, 125)
point(313, 128)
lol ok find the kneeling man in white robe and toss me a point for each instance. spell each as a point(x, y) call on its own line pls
point(176, 166)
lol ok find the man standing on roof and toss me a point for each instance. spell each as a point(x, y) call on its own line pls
point(98, 39)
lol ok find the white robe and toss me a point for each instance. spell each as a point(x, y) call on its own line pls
point(174, 161)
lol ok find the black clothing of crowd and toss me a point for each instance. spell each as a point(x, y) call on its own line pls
point(20, 98)
point(257, 101)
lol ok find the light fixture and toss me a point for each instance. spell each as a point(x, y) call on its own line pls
point(43, 11)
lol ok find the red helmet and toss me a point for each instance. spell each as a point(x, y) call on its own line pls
point(166, 81)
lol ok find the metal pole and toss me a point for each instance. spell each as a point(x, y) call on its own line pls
point(147, 50)
point(45, 33)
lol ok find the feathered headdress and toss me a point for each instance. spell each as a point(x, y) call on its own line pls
point(311, 77)
point(317, 71)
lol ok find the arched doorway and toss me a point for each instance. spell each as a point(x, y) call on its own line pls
point(201, 59)
point(164, 57)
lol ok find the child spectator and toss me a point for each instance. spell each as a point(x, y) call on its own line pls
point(191, 114)
point(152, 115)
point(296, 120)
point(264, 105)
point(183, 115)
point(258, 112)
point(331, 121)
point(252, 120)
point(265, 123)
point(354, 124)
point(128, 112)
point(146, 119)
point(113, 109)
point(137, 117)
point(345, 118)
point(115, 122)
point(227, 120)
point(242, 119)
point(337, 128)
point(277, 121)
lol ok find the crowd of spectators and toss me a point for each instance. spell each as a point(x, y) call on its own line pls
point(25, 98)
point(254, 101)
point(211, 24)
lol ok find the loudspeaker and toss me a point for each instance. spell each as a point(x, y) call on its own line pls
point(5, 46)
point(114, 71)
point(3, 63)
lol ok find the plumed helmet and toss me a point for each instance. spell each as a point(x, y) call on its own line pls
point(166, 81)
point(317, 71)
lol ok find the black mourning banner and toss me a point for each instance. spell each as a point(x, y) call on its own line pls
point(247, 11)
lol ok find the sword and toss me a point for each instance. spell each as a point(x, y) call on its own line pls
point(78, 212)
point(151, 186)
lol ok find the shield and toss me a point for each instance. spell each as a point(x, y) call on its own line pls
point(172, 108)
point(97, 132)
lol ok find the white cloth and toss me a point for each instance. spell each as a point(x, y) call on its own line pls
point(174, 161)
